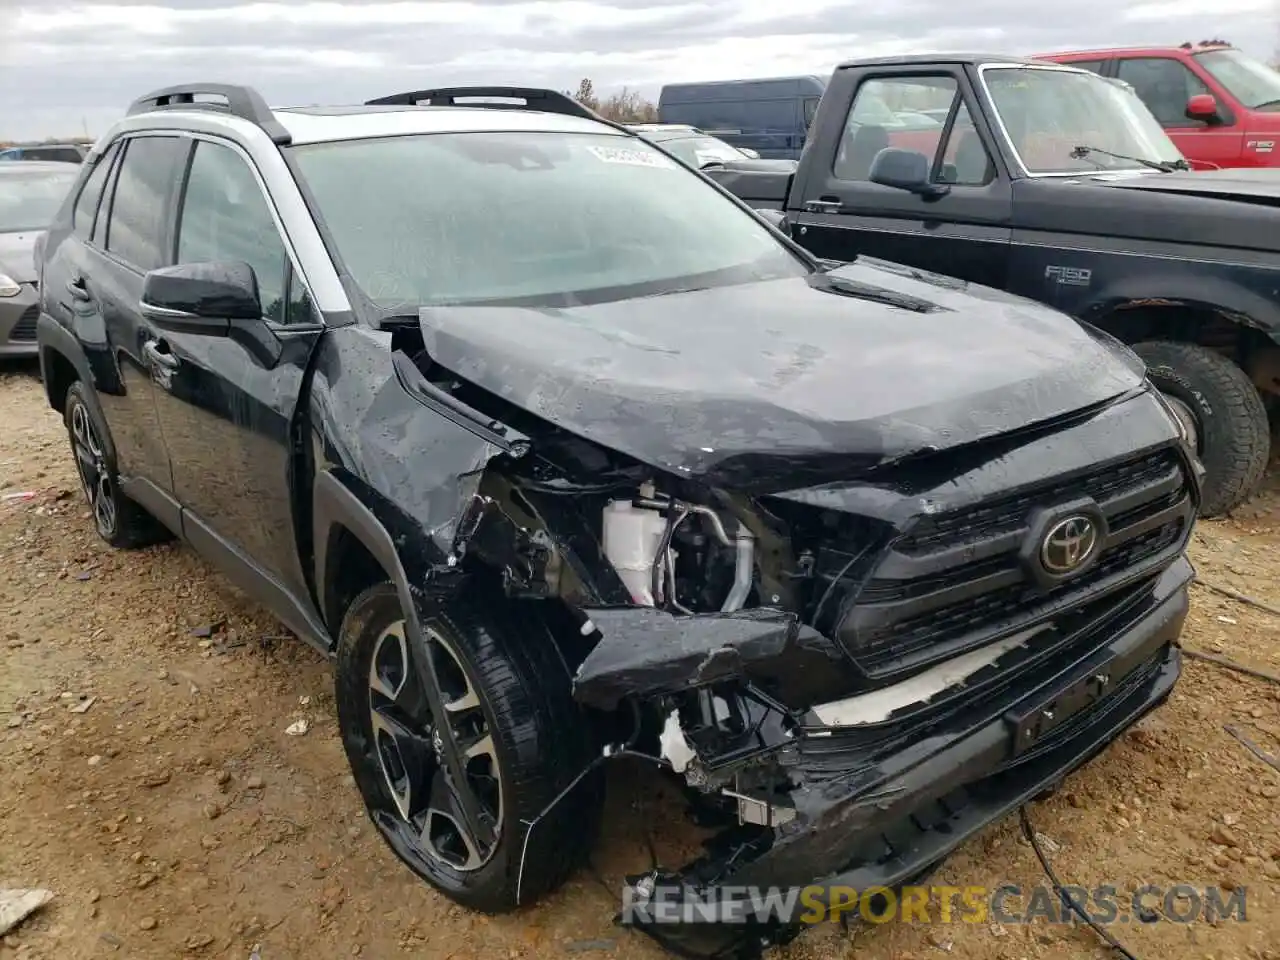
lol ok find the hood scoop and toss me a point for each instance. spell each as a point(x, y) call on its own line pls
point(859, 290)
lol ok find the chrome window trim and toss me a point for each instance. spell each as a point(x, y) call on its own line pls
point(1004, 131)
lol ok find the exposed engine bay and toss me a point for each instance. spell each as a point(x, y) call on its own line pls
point(672, 554)
point(681, 557)
point(785, 635)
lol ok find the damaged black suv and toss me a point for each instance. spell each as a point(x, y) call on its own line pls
point(562, 453)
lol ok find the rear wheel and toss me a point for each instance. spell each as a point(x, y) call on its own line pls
point(502, 701)
point(1223, 413)
point(119, 521)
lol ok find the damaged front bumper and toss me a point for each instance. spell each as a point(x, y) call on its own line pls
point(889, 815)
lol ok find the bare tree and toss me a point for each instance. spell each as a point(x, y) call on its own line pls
point(625, 106)
point(586, 95)
point(628, 106)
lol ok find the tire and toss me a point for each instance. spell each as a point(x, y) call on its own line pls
point(119, 521)
point(540, 741)
point(1234, 436)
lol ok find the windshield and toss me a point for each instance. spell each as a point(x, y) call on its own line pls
point(1250, 81)
point(698, 152)
point(29, 199)
point(548, 219)
point(1048, 113)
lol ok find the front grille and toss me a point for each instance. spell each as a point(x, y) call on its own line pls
point(25, 329)
point(1010, 513)
point(955, 581)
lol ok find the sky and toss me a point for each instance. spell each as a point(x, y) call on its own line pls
point(67, 68)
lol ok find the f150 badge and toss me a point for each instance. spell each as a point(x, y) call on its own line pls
point(1069, 276)
point(1261, 146)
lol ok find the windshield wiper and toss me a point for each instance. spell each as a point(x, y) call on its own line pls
point(1164, 166)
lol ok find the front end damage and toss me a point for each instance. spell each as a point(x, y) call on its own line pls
point(851, 676)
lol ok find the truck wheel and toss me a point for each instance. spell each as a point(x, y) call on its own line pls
point(508, 709)
point(119, 521)
point(1224, 413)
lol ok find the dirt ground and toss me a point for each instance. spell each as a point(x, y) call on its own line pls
point(176, 817)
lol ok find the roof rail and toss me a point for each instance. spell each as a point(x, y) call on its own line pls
point(545, 101)
point(243, 102)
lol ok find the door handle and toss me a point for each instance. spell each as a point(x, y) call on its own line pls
point(824, 205)
point(77, 289)
point(157, 352)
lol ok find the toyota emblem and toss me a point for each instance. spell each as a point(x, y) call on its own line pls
point(1069, 545)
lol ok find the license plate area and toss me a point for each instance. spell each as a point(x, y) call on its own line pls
point(1031, 724)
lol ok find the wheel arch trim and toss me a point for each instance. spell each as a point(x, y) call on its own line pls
point(336, 504)
point(52, 338)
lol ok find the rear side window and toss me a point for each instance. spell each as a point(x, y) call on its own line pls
point(91, 193)
point(139, 206)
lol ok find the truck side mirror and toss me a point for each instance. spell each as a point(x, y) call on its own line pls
point(776, 218)
point(1203, 107)
point(905, 170)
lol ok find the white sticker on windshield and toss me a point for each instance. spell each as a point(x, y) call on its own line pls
point(632, 158)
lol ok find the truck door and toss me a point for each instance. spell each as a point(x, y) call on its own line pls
point(839, 213)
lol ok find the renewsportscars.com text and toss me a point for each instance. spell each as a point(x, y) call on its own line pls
point(1009, 903)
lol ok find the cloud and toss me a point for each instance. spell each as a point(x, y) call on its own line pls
point(68, 66)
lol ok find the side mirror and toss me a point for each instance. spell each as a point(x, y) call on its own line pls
point(905, 170)
point(1204, 107)
point(205, 298)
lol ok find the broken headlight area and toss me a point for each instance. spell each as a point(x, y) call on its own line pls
point(849, 640)
point(836, 674)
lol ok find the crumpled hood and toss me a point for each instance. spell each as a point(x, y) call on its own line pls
point(16, 251)
point(732, 384)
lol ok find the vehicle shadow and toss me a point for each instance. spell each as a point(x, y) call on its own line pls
point(20, 367)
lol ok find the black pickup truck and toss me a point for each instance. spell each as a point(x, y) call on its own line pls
point(1055, 184)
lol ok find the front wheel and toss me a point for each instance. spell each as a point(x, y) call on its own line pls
point(502, 699)
point(1223, 413)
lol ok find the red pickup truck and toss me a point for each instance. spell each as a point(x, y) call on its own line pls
point(1220, 106)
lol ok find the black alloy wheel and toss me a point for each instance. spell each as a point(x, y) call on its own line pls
point(119, 521)
point(408, 743)
point(460, 740)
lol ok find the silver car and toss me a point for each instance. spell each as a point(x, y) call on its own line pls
point(690, 145)
point(31, 191)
